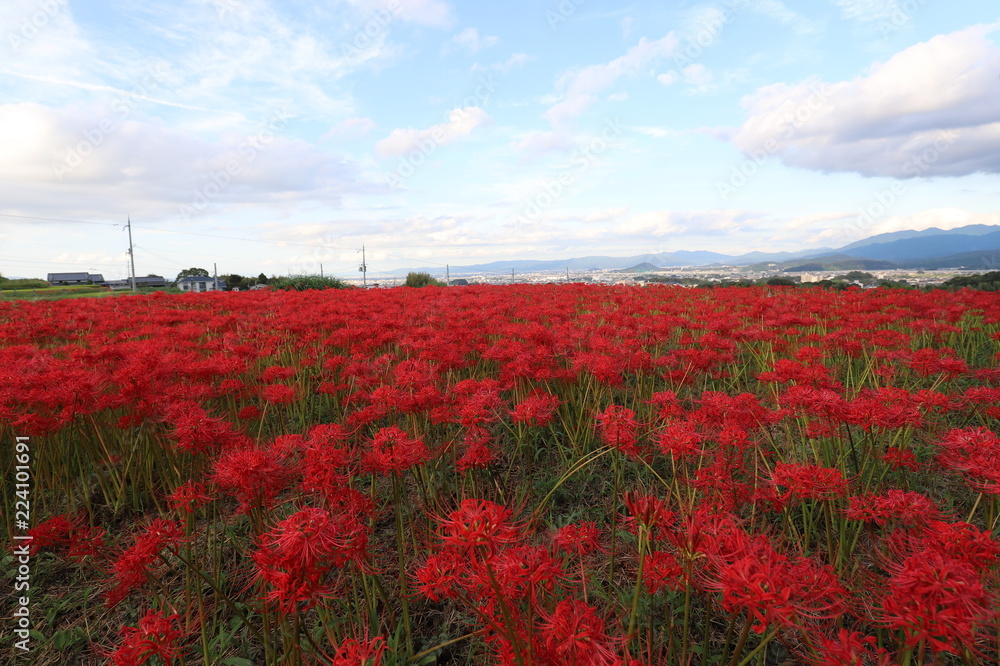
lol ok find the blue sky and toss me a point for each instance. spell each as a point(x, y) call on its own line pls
point(273, 137)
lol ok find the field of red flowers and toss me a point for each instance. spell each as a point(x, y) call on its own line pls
point(526, 475)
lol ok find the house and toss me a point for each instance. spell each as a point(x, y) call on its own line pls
point(63, 279)
point(200, 283)
point(140, 282)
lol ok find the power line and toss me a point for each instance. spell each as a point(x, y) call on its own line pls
point(58, 219)
point(218, 236)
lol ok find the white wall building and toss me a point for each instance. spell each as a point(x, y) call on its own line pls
point(200, 283)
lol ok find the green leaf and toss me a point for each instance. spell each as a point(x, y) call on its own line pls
point(37, 635)
point(237, 661)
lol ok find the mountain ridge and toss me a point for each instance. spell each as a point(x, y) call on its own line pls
point(905, 249)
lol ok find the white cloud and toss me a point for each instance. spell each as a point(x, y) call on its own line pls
point(668, 78)
point(350, 128)
point(469, 41)
point(627, 25)
point(658, 223)
point(819, 218)
point(433, 13)
point(460, 124)
point(543, 143)
point(930, 110)
point(92, 161)
point(657, 132)
point(778, 11)
point(515, 60)
point(583, 85)
point(868, 10)
point(941, 218)
point(698, 74)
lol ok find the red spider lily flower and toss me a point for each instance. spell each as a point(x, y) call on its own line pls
point(86, 542)
point(579, 538)
point(364, 652)
point(976, 453)
point(803, 374)
point(960, 541)
point(478, 401)
point(538, 409)
point(929, 361)
point(938, 600)
point(394, 452)
point(133, 565)
point(647, 511)
point(662, 571)
point(895, 505)
point(195, 431)
point(279, 394)
point(296, 556)
point(719, 411)
point(520, 572)
point(477, 450)
point(188, 496)
point(756, 585)
point(438, 577)
point(900, 459)
point(54, 533)
point(327, 461)
point(667, 405)
point(63, 534)
point(154, 637)
point(808, 482)
point(771, 588)
point(616, 426)
point(253, 476)
point(575, 634)
point(478, 524)
point(249, 413)
point(275, 373)
point(850, 648)
point(885, 408)
point(679, 439)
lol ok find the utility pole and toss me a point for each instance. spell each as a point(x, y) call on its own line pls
point(321, 269)
point(215, 276)
point(567, 274)
point(363, 268)
point(131, 254)
point(512, 276)
point(447, 275)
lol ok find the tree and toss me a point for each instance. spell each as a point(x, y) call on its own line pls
point(857, 276)
point(192, 272)
point(262, 279)
point(234, 281)
point(422, 279)
point(781, 282)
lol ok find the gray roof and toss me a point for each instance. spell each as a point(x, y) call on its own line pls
point(198, 278)
point(68, 276)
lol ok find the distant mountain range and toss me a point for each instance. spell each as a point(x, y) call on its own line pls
point(972, 246)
